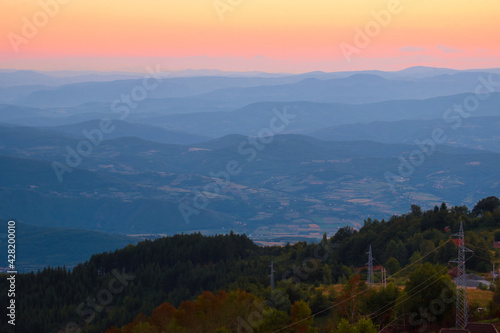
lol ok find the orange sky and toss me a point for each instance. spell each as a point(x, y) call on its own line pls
point(267, 35)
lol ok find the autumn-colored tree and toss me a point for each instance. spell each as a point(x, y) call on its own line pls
point(351, 299)
point(163, 315)
point(299, 315)
point(222, 312)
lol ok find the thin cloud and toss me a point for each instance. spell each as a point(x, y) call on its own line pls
point(412, 49)
point(447, 49)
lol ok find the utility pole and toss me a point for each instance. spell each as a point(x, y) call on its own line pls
point(462, 317)
point(369, 278)
point(384, 277)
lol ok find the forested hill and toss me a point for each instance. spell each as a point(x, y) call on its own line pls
point(112, 289)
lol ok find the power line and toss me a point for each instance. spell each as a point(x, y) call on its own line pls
point(360, 293)
point(407, 298)
point(420, 259)
point(364, 291)
point(389, 325)
point(480, 247)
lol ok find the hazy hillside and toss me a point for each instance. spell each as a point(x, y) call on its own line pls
point(89, 200)
point(219, 117)
point(27, 77)
point(306, 117)
point(289, 187)
point(125, 129)
point(165, 168)
point(474, 132)
point(357, 89)
point(42, 246)
point(80, 93)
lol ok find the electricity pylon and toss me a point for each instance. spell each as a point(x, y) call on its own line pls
point(369, 278)
point(462, 317)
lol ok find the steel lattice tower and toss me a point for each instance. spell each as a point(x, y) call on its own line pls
point(462, 317)
point(369, 278)
point(272, 275)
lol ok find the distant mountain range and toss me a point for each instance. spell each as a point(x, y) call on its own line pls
point(292, 185)
point(124, 129)
point(27, 77)
point(249, 120)
point(239, 91)
point(475, 132)
point(277, 156)
point(309, 116)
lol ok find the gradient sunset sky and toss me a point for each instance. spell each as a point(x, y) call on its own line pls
point(266, 35)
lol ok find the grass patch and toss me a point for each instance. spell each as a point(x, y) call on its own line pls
point(482, 297)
